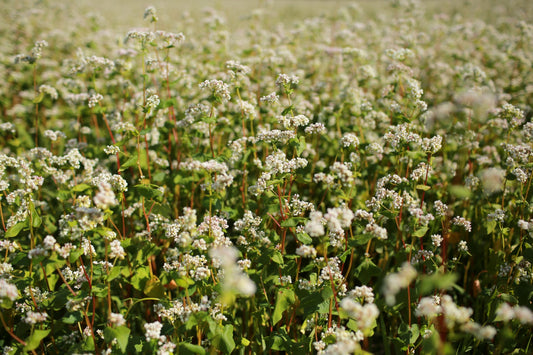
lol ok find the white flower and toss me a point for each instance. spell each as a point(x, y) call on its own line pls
point(492, 180)
point(315, 128)
point(49, 242)
point(427, 307)
point(363, 292)
point(487, 332)
point(315, 227)
point(47, 89)
point(306, 251)
point(234, 279)
point(286, 80)
point(290, 122)
point(152, 330)
point(454, 313)
point(94, 100)
point(116, 319)
point(431, 145)
point(105, 197)
point(462, 222)
point(35, 317)
point(521, 175)
point(218, 88)
point(349, 139)
point(150, 14)
point(270, 98)
point(436, 240)
point(396, 281)
point(523, 224)
point(225, 256)
point(365, 315)
point(524, 315)
point(375, 230)
point(54, 135)
point(245, 286)
point(117, 251)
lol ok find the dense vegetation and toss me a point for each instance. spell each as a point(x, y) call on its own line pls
point(341, 184)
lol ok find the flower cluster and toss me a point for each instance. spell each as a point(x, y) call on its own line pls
point(337, 184)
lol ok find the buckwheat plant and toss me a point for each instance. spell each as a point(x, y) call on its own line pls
point(268, 181)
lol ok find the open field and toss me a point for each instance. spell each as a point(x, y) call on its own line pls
point(121, 12)
point(249, 177)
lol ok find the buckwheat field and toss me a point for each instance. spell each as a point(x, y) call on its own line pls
point(319, 177)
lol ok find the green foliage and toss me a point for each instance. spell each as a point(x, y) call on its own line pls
point(357, 183)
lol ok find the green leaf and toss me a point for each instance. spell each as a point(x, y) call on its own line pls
point(168, 102)
point(132, 161)
point(419, 233)
point(277, 257)
point(52, 263)
point(459, 191)
point(109, 334)
point(208, 119)
point(285, 299)
point(227, 338)
point(292, 222)
point(63, 195)
point(423, 187)
point(121, 334)
point(491, 226)
point(163, 210)
point(275, 182)
point(287, 110)
point(138, 347)
point(415, 333)
point(154, 288)
point(6, 303)
point(148, 191)
point(278, 343)
point(88, 344)
point(366, 270)
point(60, 299)
point(352, 324)
point(180, 180)
point(35, 219)
point(159, 176)
point(415, 154)
point(324, 306)
point(140, 277)
point(430, 283)
point(505, 297)
point(73, 318)
point(49, 223)
point(304, 238)
point(13, 231)
point(34, 340)
point(184, 282)
point(196, 319)
point(309, 303)
point(75, 255)
point(361, 239)
point(80, 188)
point(301, 145)
point(114, 273)
point(39, 98)
point(145, 131)
point(188, 348)
point(99, 290)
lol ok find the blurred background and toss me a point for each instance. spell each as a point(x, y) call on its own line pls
point(121, 14)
